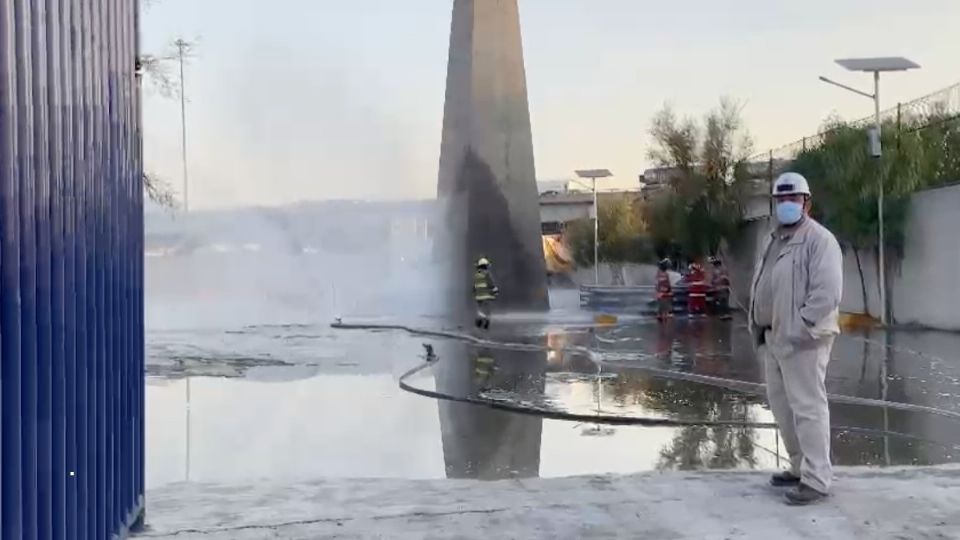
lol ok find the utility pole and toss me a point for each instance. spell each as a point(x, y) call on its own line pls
point(183, 51)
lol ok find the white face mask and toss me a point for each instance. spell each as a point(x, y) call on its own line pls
point(789, 212)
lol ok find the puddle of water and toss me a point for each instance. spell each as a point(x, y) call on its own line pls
point(223, 430)
point(328, 405)
point(240, 430)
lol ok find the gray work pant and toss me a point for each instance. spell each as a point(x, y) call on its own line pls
point(798, 398)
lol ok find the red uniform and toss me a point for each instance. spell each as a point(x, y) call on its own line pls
point(697, 292)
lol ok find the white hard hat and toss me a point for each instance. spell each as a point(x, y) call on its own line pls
point(791, 183)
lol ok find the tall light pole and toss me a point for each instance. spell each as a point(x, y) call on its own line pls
point(876, 66)
point(593, 175)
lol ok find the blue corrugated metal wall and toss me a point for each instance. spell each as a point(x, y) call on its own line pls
point(71, 270)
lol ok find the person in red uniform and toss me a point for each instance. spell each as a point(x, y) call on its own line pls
point(720, 283)
point(697, 295)
point(664, 292)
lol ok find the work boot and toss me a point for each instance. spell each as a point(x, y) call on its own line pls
point(803, 495)
point(784, 479)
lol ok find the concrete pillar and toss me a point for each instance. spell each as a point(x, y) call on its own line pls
point(487, 180)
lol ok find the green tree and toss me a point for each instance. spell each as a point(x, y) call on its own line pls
point(703, 166)
point(622, 235)
point(939, 134)
point(845, 179)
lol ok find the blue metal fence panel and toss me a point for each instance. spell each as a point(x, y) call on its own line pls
point(28, 267)
point(56, 97)
point(11, 498)
point(71, 107)
point(71, 270)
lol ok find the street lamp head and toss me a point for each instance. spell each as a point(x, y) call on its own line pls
point(595, 173)
point(878, 64)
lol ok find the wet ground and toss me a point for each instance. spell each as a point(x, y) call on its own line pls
point(291, 402)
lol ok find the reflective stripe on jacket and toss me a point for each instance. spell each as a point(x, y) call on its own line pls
point(483, 287)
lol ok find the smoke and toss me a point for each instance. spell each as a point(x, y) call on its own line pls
point(279, 113)
point(297, 264)
point(288, 128)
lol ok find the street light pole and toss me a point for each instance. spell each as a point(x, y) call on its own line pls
point(596, 236)
point(594, 174)
point(875, 66)
point(881, 252)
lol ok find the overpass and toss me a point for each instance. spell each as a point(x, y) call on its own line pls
point(559, 208)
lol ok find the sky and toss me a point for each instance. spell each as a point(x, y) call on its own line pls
point(293, 100)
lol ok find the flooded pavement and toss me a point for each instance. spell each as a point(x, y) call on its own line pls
point(289, 402)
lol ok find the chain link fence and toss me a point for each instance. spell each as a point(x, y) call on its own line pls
point(938, 110)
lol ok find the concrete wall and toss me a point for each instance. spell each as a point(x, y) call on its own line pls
point(853, 290)
point(741, 257)
point(922, 287)
point(925, 288)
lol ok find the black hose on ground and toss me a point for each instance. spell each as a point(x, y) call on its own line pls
point(720, 382)
point(740, 386)
point(615, 420)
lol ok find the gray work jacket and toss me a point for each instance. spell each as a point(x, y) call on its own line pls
point(807, 288)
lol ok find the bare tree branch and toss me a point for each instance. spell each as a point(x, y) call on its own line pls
point(159, 191)
point(158, 73)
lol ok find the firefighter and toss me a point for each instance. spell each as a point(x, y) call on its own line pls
point(664, 292)
point(720, 283)
point(697, 295)
point(485, 291)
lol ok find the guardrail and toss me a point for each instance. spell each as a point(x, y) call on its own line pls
point(640, 300)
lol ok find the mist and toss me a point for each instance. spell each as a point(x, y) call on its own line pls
point(303, 264)
point(290, 142)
